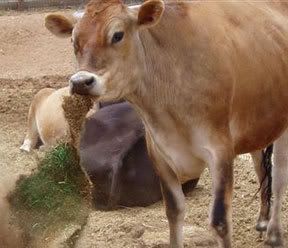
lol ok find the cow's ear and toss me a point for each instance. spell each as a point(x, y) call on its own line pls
point(59, 25)
point(150, 13)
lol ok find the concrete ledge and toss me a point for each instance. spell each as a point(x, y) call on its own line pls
point(34, 4)
point(30, 4)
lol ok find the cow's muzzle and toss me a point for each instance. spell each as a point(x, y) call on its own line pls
point(82, 82)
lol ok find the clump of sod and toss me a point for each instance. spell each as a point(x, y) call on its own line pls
point(57, 192)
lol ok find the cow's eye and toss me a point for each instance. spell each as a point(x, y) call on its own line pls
point(118, 36)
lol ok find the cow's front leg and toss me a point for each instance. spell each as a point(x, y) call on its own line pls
point(222, 186)
point(173, 195)
point(175, 205)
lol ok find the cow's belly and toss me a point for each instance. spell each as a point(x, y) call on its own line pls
point(258, 135)
point(179, 155)
point(257, 123)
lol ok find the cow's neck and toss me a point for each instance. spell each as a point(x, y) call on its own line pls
point(160, 96)
point(155, 91)
point(163, 103)
point(160, 83)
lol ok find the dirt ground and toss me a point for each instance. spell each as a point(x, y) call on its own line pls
point(30, 59)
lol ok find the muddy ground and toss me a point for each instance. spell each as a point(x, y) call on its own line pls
point(30, 59)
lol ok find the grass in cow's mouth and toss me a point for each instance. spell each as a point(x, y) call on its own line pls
point(56, 192)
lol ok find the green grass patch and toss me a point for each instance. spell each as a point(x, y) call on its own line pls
point(56, 193)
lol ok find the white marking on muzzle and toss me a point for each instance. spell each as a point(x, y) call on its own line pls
point(97, 88)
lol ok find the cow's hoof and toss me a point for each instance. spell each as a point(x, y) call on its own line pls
point(274, 239)
point(274, 244)
point(26, 146)
point(262, 226)
point(43, 148)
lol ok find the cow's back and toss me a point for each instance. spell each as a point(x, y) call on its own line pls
point(50, 119)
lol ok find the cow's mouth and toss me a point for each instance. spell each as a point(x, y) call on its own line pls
point(79, 90)
point(83, 83)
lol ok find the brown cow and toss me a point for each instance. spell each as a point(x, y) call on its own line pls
point(113, 153)
point(46, 120)
point(209, 80)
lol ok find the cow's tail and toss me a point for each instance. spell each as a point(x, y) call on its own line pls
point(266, 164)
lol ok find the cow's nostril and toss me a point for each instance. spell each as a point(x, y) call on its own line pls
point(89, 81)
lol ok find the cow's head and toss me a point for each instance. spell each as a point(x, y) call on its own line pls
point(107, 45)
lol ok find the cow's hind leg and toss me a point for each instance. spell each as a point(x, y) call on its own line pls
point(32, 136)
point(279, 184)
point(263, 178)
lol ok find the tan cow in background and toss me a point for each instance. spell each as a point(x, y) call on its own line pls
point(46, 121)
point(209, 80)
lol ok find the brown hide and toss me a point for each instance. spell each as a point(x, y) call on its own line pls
point(114, 155)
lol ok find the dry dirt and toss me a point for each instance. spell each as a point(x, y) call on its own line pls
point(30, 59)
